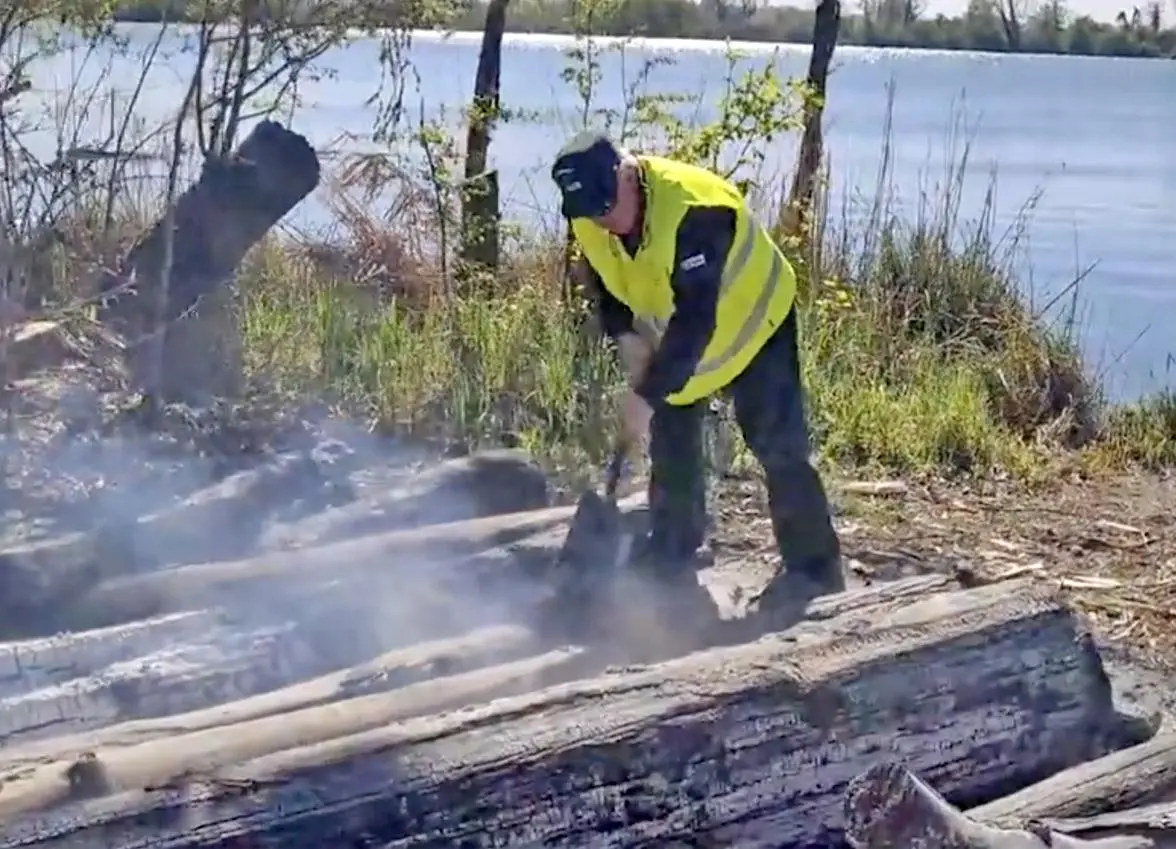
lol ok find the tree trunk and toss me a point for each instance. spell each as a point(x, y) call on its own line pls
point(826, 24)
point(479, 196)
point(230, 208)
point(981, 690)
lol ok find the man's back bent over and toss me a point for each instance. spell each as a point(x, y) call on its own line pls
point(700, 302)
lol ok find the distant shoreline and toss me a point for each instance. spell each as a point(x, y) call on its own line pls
point(781, 26)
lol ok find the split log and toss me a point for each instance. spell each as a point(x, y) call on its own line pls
point(31, 788)
point(393, 670)
point(751, 745)
point(236, 201)
point(225, 666)
point(888, 807)
point(1138, 775)
point(28, 665)
point(402, 554)
point(486, 483)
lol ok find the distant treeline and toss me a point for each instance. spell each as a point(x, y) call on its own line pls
point(1000, 26)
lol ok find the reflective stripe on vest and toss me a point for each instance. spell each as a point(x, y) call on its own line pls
point(653, 328)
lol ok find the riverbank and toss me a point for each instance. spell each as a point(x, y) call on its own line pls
point(920, 354)
point(1135, 33)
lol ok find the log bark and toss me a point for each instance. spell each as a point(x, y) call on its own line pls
point(750, 745)
point(888, 807)
point(1134, 776)
point(488, 483)
point(802, 194)
point(236, 201)
point(402, 668)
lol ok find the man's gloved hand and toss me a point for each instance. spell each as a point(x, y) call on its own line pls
point(636, 413)
point(635, 353)
point(635, 417)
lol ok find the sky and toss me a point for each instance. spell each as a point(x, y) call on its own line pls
point(1100, 10)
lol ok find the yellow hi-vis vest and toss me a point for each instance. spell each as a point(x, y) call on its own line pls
point(758, 283)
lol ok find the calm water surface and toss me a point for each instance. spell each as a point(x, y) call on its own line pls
point(1090, 144)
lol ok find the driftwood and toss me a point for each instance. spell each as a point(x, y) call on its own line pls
point(1138, 775)
point(888, 807)
point(981, 690)
point(396, 669)
point(483, 484)
point(236, 201)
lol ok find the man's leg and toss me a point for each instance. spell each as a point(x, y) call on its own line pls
point(769, 407)
point(677, 486)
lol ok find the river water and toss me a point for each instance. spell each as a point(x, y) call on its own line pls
point(1083, 150)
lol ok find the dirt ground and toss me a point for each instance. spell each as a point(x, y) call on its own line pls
point(1109, 544)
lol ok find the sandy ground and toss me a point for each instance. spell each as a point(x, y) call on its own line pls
point(1108, 544)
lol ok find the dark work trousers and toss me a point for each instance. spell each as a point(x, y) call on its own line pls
point(769, 408)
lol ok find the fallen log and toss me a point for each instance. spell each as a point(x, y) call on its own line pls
point(486, 483)
point(39, 581)
point(224, 666)
point(29, 789)
point(36, 576)
point(405, 555)
point(888, 807)
point(402, 668)
point(225, 520)
point(752, 745)
point(1134, 776)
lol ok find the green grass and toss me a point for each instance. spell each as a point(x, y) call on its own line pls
point(920, 355)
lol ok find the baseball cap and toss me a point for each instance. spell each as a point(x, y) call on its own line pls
point(586, 172)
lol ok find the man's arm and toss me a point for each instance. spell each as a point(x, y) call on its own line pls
point(705, 235)
point(618, 323)
point(616, 319)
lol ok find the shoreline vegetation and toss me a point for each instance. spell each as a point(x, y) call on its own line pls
point(990, 26)
point(922, 356)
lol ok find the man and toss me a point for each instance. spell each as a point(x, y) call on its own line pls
point(699, 301)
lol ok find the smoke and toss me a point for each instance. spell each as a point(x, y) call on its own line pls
point(270, 530)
